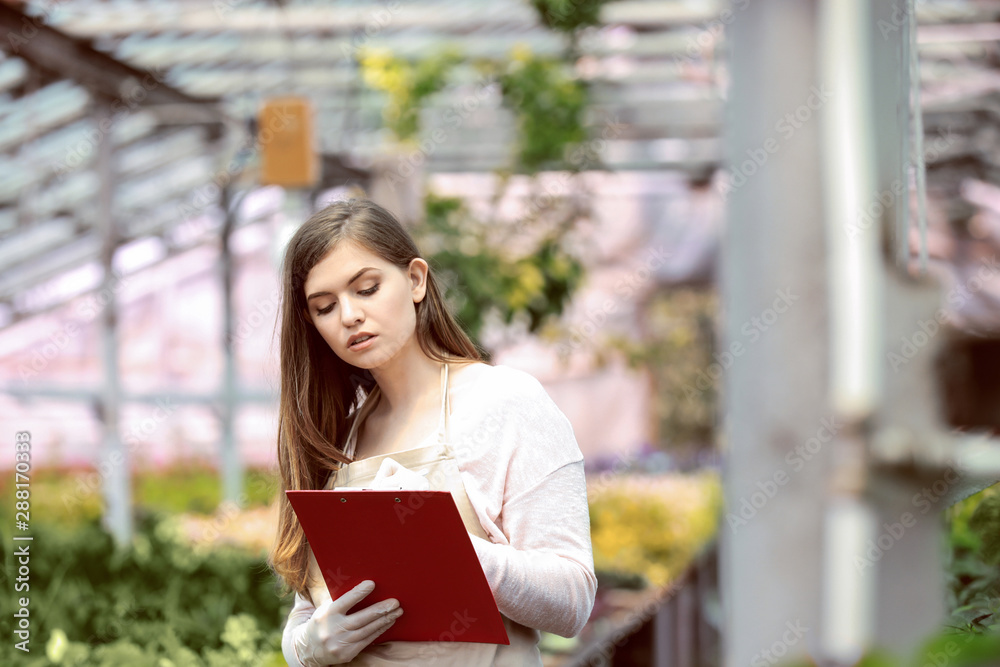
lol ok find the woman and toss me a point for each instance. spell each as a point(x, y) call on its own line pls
point(373, 368)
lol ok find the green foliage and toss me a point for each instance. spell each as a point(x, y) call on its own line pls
point(652, 526)
point(463, 252)
point(408, 85)
point(985, 523)
point(547, 100)
point(971, 638)
point(157, 602)
point(942, 648)
point(71, 496)
point(548, 104)
point(972, 574)
point(569, 15)
point(676, 347)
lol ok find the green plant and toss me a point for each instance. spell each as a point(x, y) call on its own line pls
point(943, 648)
point(676, 345)
point(407, 84)
point(569, 15)
point(652, 526)
point(973, 555)
point(156, 599)
point(536, 286)
point(67, 495)
point(548, 103)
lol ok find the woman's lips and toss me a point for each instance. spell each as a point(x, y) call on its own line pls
point(363, 344)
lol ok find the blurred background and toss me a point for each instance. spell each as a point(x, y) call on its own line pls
point(561, 165)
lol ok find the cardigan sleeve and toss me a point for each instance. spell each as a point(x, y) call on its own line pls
point(545, 577)
point(542, 573)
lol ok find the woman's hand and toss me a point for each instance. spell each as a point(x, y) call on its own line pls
point(332, 637)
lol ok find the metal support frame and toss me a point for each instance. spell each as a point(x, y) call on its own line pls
point(57, 56)
point(232, 465)
point(117, 480)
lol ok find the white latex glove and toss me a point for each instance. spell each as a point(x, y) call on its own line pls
point(332, 637)
point(393, 475)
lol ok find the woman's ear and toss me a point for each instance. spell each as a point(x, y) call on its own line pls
point(418, 278)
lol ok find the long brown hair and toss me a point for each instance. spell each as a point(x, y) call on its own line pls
point(319, 391)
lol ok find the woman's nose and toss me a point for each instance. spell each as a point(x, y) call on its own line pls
point(349, 313)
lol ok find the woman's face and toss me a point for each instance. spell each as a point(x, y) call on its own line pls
point(353, 292)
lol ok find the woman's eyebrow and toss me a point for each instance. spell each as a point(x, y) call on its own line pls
point(353, 278)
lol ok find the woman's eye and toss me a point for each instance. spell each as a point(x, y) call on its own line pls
point(365, 292)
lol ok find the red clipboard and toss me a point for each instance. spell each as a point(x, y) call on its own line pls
point(414, 546)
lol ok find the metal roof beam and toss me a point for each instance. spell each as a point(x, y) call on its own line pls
point(59, 56)
point(65, 155)
point(446, 17)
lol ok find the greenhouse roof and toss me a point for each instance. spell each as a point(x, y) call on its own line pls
point(176, 85)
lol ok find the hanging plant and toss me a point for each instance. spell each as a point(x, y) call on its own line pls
point(480, 277)
point(569, 16)
point(407, 84)
point(548, 104)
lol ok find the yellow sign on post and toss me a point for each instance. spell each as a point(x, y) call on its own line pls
point(285, 136)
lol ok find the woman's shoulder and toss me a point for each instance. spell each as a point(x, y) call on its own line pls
point(500, 381)
point(521, 420)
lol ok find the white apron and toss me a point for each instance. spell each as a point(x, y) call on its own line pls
point(441, 468)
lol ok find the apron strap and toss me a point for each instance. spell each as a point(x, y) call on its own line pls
point(443, 421)
point(372, 399)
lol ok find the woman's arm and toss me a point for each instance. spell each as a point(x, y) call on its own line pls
point(530, 493)
point(301, 612)
point(544, 578)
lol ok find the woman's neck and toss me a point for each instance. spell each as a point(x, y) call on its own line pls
point(408, 383)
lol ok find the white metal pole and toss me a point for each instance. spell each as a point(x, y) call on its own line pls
point(855, 310)
point(117, 480)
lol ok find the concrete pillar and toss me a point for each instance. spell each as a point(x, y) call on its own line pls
point(775, 326)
